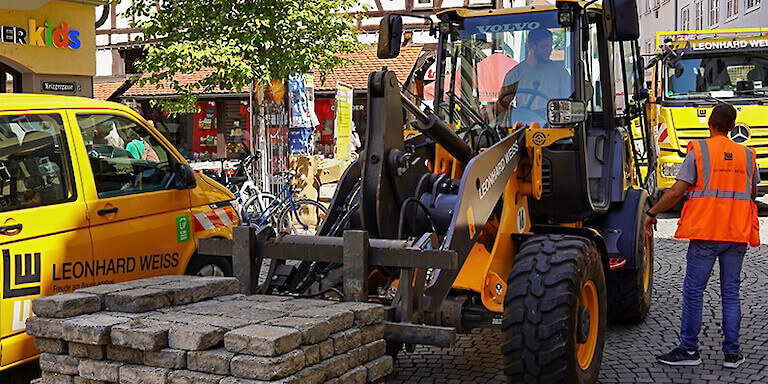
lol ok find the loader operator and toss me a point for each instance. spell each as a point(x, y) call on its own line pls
point(720, 218)
point(536, 80)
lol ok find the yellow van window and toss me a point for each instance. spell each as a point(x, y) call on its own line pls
point(125, 157)
point(35, 168)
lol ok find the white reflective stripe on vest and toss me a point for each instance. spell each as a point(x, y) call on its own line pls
point(720, 193)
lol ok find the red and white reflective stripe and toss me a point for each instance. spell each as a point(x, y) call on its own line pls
point(211, 219)
point(663, 133)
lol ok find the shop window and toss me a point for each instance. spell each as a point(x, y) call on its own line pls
point(131, 58)
point(35, 169)
point(125, 157)
point(10, 80)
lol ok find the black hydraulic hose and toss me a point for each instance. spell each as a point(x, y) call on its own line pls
point(402, 216)
point(436, 129)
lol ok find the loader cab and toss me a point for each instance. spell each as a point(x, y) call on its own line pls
point(501, 68)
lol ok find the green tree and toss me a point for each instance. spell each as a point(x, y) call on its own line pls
point(239, 40)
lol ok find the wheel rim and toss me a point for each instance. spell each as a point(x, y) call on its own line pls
point(648, 266)
point(210, 270)
point(585, 352)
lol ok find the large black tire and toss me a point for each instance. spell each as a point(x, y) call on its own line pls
point(546, 314)
point(209, 266)
point(630, 290)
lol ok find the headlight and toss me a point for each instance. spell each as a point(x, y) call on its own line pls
point(670, 169)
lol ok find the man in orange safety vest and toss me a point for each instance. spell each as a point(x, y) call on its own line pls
point(720, 218)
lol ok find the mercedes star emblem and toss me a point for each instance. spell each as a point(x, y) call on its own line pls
point(739, 133)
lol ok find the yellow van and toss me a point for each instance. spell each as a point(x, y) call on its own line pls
point(92, 194)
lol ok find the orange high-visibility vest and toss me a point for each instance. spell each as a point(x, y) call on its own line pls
point(720, 205)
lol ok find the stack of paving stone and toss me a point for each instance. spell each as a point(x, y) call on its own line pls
point(184, 330)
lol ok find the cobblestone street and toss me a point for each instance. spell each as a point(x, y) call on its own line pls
point(629, 355)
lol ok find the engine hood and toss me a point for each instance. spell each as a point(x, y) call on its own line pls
point(208, 191)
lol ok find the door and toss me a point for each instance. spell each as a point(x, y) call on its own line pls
point(44, 243)
point(135, 212)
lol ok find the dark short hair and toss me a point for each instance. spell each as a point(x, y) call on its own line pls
point(537, 35)
point(723, 117)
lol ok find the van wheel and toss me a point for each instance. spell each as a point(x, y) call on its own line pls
point(553, 331)
point(209, 266)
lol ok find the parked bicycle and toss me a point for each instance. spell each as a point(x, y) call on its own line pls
point(285, 212)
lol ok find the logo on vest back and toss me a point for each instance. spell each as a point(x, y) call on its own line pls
point(728, 156)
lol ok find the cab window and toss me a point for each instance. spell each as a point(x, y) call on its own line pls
point(35, 168)
point(125, 157)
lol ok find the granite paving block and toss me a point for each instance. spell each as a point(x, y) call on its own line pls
point(221, 286)
point(379, 368)
point(370, 333)
point(44, 327)
point(195, 337)
point(267, 368)
point(268, 298)
point(186, 292)
point(100, 370)
point(356, 375)
point(90, 329)
point(311, 354)
point(345, 340)
point(336, 366)
point(311, 375)
point(83, 380)
point(55, 346)
point(126, 355)
point(66, 305)
point(326, 349)
point(64, 364)
point(313, 330)
point(227, 323)
point(55, 378)
point(375, 349)
point(190, 377)
point(166, 358)
point(145, 335)
point(338, 319)
point(139, 374)
point(210, 361)
point(365, 313)
point(262, 340)
point(138, 300)
point(94, 352)
point(254, 315)
point(358, 356)
point(217, 308)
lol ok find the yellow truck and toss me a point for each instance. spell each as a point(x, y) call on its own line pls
point(692, 72)
point(92, 194)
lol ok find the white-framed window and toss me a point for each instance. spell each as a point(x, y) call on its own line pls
point(698, 15)
point(752, 4)
point(731, 8)
point(714, 12)
point(685, 18)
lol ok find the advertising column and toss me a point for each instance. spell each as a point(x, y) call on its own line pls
point(344, 100)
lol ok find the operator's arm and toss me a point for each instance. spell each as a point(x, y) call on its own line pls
point(670, 197)
point(508, 89)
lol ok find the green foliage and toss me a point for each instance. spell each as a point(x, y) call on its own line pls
point(239, 40)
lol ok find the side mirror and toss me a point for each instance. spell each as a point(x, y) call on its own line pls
point(566, 112)
point(184, 176)
point(621, 20)
point(390, 36)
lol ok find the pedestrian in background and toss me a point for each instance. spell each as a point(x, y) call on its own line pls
point(720, 218)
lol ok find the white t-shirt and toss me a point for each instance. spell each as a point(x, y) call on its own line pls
point(549, 78)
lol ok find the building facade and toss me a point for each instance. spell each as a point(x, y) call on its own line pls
point(47, 47)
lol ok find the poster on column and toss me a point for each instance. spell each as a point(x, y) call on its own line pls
point(343, 123)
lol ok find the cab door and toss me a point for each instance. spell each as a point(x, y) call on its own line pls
point(45, 247)
point(138, 219)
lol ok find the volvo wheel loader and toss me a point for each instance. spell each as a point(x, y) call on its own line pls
point(523, 216)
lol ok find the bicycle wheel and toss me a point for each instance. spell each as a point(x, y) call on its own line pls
point(255, 205)
point(305, 219)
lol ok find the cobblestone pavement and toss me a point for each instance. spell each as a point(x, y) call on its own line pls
point(629, 355)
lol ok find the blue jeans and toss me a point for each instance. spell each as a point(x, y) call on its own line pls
point(700, 261)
